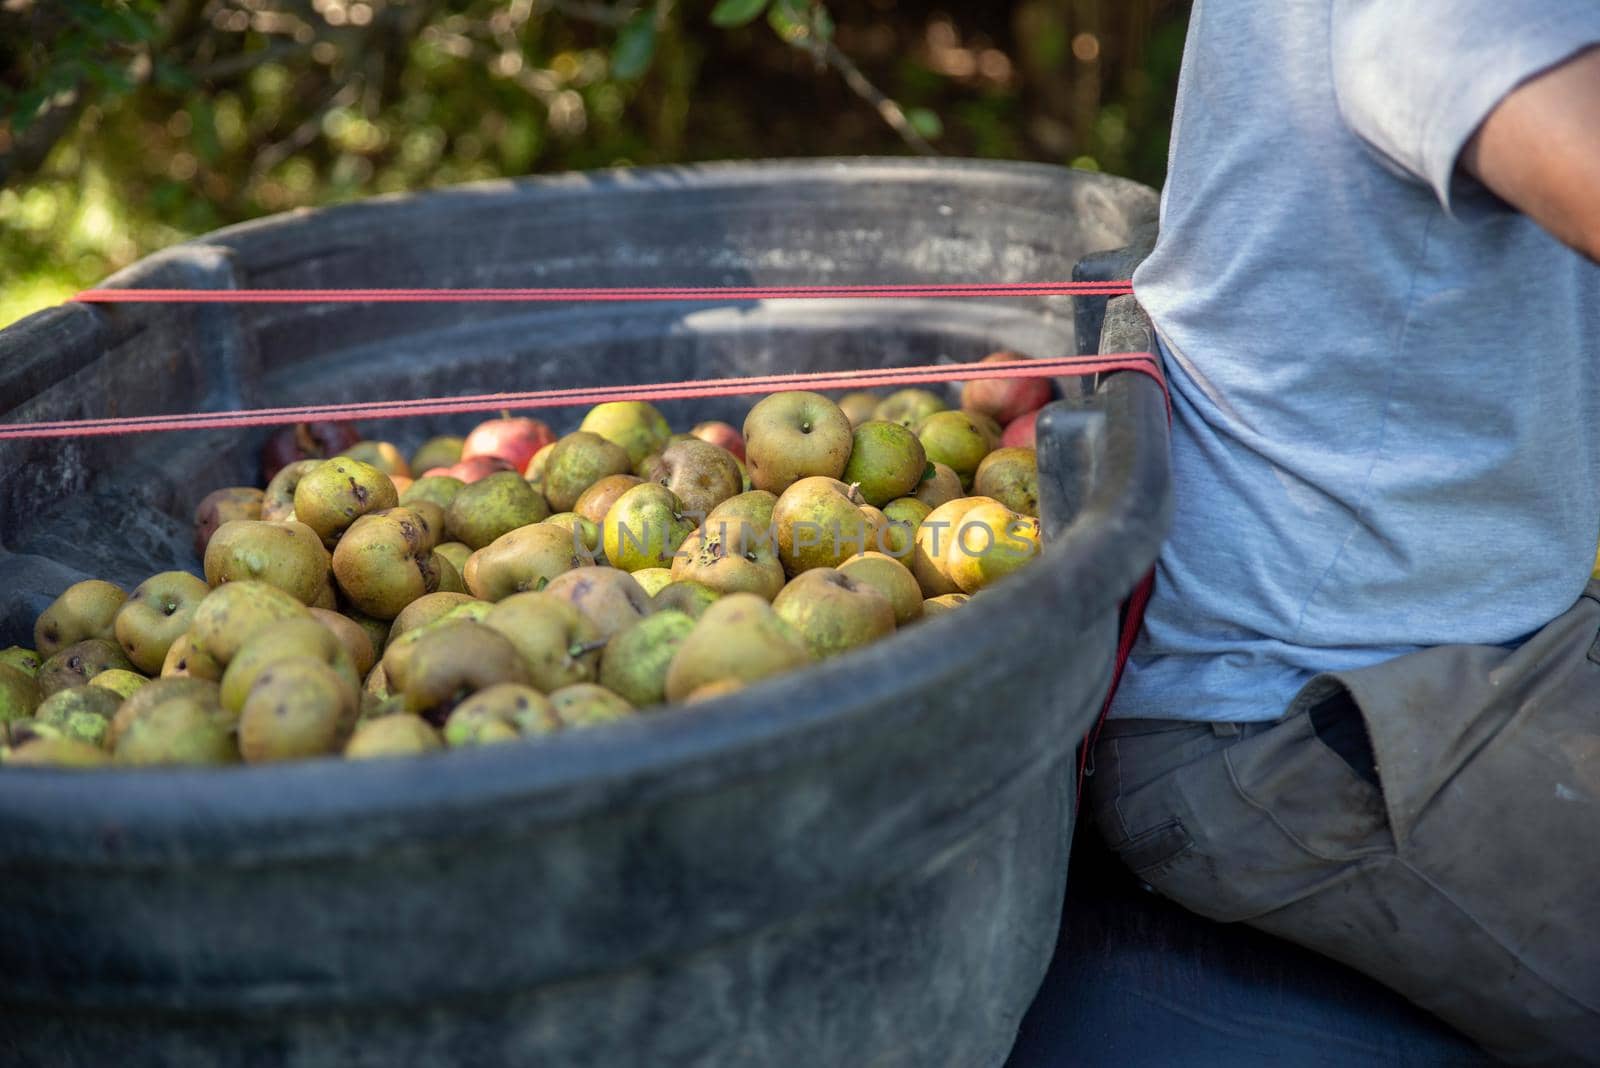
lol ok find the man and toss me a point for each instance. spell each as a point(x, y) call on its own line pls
point(1364, 713)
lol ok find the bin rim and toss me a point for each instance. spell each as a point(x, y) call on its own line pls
point(730, 173)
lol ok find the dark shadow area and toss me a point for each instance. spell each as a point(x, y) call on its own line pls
point(1136, 980)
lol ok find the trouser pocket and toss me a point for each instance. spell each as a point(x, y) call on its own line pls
point(1140, 815)
point(1234, 827)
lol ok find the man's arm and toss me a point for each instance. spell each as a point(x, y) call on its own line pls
point(1539, 150)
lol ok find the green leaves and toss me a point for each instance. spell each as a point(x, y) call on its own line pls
point(925, 122)
point(116, 22)
point(800, 22)
point(203, 123)
point(788, 20)
point(635, 48)
point(729, 13)
point(89, 46)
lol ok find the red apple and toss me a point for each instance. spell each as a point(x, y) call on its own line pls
point(512, 440)
point(721, 434)
point(474, 469)
point(1019, 432)
point(1005, 399)
point(305, 441)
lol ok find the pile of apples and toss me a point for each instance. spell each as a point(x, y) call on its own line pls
point(513, 584)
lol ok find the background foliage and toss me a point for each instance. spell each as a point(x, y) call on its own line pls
point(126, 125)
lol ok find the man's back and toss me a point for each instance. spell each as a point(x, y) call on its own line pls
point(1387, 416)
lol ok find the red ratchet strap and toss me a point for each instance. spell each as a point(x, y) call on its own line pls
point(1132, 623)
point(593, 295)
point(1139, 362)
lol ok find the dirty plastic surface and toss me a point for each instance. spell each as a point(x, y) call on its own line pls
point(862, 863)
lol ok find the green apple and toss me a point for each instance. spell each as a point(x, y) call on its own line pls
point(886, 461)
point(83, 610)
point(821, 522)
point(635, 425)
point(833, 612)
point(644, 528)
point(795, 435)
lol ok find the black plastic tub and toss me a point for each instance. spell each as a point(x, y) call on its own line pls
point(859, 864)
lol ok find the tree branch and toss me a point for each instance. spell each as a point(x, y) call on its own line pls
point(30, 148)
point(230, 67)
point(302, 135)
point(891, 112)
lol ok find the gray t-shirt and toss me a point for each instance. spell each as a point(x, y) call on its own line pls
point(1386, 384)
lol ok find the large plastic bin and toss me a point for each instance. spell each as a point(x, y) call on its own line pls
point(858, 864)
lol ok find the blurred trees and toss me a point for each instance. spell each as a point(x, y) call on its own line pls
point(126, 125)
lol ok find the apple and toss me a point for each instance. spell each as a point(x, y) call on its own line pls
point(988, 424)
point(157, 614)
point(1010, 476)
point(700, 474)
point(956, 440)
point(635, 425)
point(490, 507)
point(721, 434)
point(534, 472)
point(611, 599)
point(990, 542)
point(728, 556)
point(636, 660)
point(380, 454)
point(739, 637)
point(86, 609)
point(222, 506)
point(859, 406)
point(1019, 433)
point(436, 452)
point(512, 440)
point(474, 470)
point(576, 462)
point(384, 561)
point(834, 612)
point(558, 643)
point(886, 461)
point(905, 515)
point(909, 407)
point(644, 527)
point(523, 560)
point(305, 441)
point(597, 500)
point(939, 485)
point(287, 555)
point(821, 522)
point(945, 602)
point(1005, 399)
point(795, 435)
point(337, 492)
point(931, 544)
point(891, 578)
